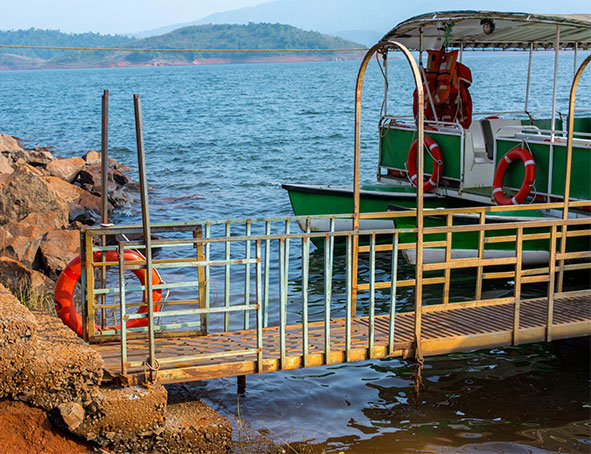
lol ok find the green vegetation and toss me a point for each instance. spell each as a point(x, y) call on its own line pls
point(36, 37)
point(251, 36)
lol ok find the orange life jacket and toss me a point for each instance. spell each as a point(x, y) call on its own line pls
point(447, 80)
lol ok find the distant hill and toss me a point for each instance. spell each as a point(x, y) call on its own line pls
point(360, 21)
point(250, 36)
point(36, 37)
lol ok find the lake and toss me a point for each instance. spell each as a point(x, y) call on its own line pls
point(221, 140)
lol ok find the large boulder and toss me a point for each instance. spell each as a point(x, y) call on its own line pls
point(25, 192)
point(66, 169)
point(93, 158)
point(81, 204)
point(18, 277)
point(57, 249)
point(5, 165)
point(21, 241)
point(9, 143)
point(90, 179)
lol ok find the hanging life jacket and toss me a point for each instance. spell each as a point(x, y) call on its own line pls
point(447, 82)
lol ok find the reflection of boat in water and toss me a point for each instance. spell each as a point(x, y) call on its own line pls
point(487, 158)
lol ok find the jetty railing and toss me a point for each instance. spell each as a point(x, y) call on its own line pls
point(260, 274)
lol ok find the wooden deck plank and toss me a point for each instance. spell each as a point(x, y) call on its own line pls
point(457, 329)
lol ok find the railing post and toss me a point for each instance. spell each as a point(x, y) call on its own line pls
point(259, 296)
point(518, 268)
point(282, 303)
point(227, 277)
point(146, 230)
point(247, 275)
point(198, 234)
point(448, 249)
point(551, 281)
point(393, 286)
point(89, 272)
point(83, 285)
point(305, 279)
point(480, 269)
point(372, 293)
point(349, 298)
point(122, 308)
point(104, 194)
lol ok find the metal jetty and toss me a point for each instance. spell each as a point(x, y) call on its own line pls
point(261, 299)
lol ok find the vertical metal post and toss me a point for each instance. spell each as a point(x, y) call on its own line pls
point(282, 306)
point(393, 286)
point(569, 157)
point(553, 126)
point(267, 273)
point(531, 51)
point(480, 269)
point(259, 296)
point(575, 58)
point(227, 277)
point(385, 63)
point(421, 46)
point(372, 293)
point(145, 227)
point(89, 271)
point(305, 278)
point(207, 271)
point(327, 297)
point(83, 285)
point(198, 234)
point(247, 276)
point(104, 194)
point(447, 272)
point(461, 52)
point(517, 294)
point(348, 310)
point(122, 308)
point(551, 282)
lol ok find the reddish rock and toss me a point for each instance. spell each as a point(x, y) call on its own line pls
point(25, 192)
point(50, 220)
point(89, 178)
point(9, 143)
point(15, 275)
point(5, 165)
point(66, 169)
point(92, 158)
point(40, 158)
point(82, 205)
point(21, 241)
point(57, 249)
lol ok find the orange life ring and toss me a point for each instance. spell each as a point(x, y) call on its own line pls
point(432, 182)
point(64, 291)
point(528, 180)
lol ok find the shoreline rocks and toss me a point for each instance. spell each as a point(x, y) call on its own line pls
point(44, 200)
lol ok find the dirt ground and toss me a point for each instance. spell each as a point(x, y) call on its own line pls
point(27, 430)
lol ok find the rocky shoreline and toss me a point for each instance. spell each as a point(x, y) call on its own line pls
point(51, 380)
point(44, 200)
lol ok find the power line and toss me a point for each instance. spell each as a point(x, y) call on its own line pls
point(131, 49)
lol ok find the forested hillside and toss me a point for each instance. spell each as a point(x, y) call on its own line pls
point(224, 36)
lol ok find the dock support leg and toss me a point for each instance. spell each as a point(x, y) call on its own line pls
point(241, 382)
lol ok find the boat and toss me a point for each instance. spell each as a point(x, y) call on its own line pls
point(469, 157)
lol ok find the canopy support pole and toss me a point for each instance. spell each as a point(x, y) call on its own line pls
point(531, 51)
point(553, 124)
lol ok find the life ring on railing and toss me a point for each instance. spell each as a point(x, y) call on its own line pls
point(528, 180)
point(64, 290)
point(432, 182)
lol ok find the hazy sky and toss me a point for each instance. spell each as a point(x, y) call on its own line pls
point(109, 16)
point(128, 16)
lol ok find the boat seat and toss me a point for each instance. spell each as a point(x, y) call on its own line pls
point(495, 127)
point(478, 143)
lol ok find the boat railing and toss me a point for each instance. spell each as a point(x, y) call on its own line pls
point(259, 274)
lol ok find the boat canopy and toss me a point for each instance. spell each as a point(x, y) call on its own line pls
point(495, 30)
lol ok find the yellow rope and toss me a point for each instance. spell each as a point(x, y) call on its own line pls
point(131, 49)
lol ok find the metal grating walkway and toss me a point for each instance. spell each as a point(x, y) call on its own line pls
point(453, 330)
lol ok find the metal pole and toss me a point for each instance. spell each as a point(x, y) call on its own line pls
point(531, 51)
point(575, 58)
point(552, 126)
point(420, 159)
point(105, 158)
point(461, 52)
point(146, 226)
point(569, 152)
point(104, 195)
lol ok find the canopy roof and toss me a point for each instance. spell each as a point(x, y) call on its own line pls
point(489, 29)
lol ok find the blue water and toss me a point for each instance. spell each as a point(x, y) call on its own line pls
point(222, 139)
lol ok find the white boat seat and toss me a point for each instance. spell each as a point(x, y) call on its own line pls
point(494, 127)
